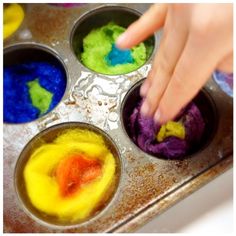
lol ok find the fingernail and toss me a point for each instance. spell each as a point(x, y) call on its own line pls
point(121, 40)
point(144, 109)
point(157, 116)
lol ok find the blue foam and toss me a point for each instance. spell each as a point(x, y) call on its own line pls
point(17, 106)
point(117, 56)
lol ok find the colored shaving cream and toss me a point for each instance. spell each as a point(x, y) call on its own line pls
point(101, 55)
point(31, 90)
point(69, 177)
point(172, 140)
point(13, 15)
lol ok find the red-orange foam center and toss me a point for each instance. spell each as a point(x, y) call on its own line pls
point(74, 171)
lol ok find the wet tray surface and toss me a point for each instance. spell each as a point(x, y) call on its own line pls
point(148, 185)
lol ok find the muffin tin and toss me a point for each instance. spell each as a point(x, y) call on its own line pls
point(148, 185)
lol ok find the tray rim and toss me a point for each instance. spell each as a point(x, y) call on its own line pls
point(177, 195)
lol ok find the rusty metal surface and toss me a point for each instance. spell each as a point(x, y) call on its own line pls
point(148, 185)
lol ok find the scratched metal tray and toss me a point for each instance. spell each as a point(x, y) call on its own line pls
point(148, 185)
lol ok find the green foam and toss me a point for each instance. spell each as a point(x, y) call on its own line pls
point(40, 97)
point(97, 45)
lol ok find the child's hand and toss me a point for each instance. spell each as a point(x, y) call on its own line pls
point(197, 39)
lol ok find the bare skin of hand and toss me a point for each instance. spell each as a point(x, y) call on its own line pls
point(197, 39)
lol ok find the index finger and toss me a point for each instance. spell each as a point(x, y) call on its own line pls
point(147, 24)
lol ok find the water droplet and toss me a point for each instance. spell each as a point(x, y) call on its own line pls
point(161, 176)
point(25, 34)
point(123, 150)
point(220, 154)
point(53, 117)
point(113, 116)
point(120, 80)
point(69, 102)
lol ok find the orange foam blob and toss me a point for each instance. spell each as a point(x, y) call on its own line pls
point(74, 171)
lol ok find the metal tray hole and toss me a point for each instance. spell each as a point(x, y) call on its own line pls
point(204, 102)
point(30, 52)
point(99, 17)
point(47, 136)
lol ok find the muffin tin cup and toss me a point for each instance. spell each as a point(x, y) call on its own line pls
point(36, 52)
point(204, 102)
point(48, 135)
point(147, 185)
point(100, 16)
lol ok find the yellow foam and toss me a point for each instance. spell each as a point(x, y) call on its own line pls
point(171, 128)
point(41, 183)
point(13, 16)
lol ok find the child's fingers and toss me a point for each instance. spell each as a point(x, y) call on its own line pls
point(148, 23)
point(151, 75)
point(163, 67)
point(145, 87)
point(192, 71)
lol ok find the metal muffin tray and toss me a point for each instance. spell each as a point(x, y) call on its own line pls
point(148, 185)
